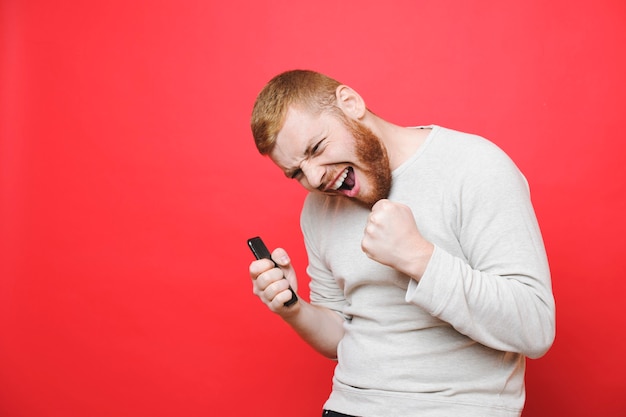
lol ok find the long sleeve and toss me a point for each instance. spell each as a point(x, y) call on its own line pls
point(498, 292)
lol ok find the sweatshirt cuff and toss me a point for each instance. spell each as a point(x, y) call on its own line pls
point(423, 293)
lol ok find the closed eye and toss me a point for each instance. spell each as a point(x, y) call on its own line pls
point(316, 149)
point(311, 151)
point(295, 174)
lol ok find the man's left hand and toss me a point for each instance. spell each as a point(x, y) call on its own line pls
point(393, 239)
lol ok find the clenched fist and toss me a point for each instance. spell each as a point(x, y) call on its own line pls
point(393, 239)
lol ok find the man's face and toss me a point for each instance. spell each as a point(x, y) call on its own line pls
point(326, 154)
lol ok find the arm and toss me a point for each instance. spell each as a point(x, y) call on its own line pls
point(498, 292)
point(320, 327)
point(508, 312)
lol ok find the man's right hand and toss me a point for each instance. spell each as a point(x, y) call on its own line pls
point(318, 326)
point(271, 284)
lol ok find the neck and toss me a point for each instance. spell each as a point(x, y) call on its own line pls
point(401, 142)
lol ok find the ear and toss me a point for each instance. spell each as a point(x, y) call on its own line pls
point(350, 102)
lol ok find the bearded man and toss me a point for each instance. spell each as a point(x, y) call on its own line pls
point(429, 282)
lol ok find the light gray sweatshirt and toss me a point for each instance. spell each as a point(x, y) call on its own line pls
point(454, 344)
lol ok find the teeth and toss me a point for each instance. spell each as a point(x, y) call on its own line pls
point(340, 180)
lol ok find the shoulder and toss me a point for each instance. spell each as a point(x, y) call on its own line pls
point(468, 144)
point(471, 153)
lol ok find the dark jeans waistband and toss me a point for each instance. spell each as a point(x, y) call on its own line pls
point(329, 413)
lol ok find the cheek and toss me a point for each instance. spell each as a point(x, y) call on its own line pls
point(342, 153)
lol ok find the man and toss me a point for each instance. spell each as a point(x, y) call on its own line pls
point(429, 279)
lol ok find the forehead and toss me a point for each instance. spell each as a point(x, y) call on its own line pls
point(300, 128)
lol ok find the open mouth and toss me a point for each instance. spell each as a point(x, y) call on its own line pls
point(345, 181)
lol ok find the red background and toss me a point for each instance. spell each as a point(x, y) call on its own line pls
point(129, 184)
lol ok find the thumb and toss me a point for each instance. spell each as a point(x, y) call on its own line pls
point(281, 257)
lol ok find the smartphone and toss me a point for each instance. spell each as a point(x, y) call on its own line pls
point(260, 251)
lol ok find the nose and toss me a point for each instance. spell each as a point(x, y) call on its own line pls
point(314, 175)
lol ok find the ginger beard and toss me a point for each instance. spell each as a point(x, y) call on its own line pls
point(374, 161)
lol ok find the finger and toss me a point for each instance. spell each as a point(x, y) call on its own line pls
point(268, 277)
point(380, 203)
point(280, 299)
point(259, 266)
point(376, 217)
point(276, 288)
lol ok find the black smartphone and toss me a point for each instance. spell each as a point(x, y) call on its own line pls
point(260, 251)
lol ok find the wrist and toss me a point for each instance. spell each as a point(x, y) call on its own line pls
point(417, 266)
